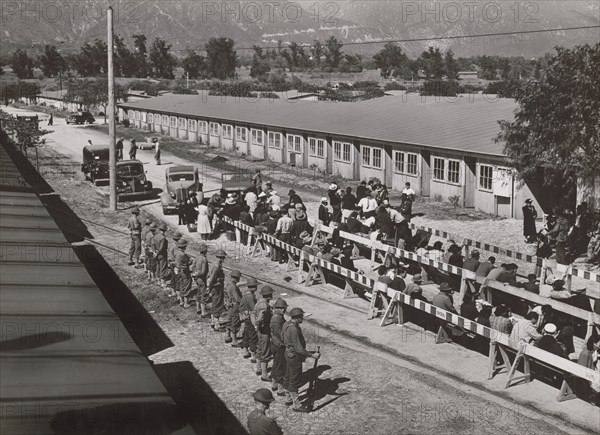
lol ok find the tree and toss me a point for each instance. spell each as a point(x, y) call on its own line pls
point(28, 134)
point(333, 54)
point(488, 66)
point(162, 63)
point(1, 67)
point(92, 59)
point(555, 131)
point(317, 51)
point(52, 62)
point(140, 55)
point(125, 65)
point(22, 64)
point(390, 60)
point(432, 63)
point(221, 58)
point(92, 93)
point(194, 65)
point(260, 66)
point(451, 66)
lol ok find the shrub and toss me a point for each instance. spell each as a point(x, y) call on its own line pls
point(454, 200)
point(439, 88)
point(125, 123)
point(394, 86)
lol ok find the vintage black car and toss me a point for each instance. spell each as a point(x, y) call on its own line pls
point(80, 118)
point(95, 163)
point(131, 179)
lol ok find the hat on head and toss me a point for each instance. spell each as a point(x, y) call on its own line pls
point(263, 395)
point(176, 236)
point(262, 195)
point(252, 282)
point(273, 213)
point(558, 283)
point(550, 279)
point(266, 291)
point(438, 245)
point(532, 276)
point(418, 278)
point(236, 274)
point(220, 254)
point(528, 201)
point(300, 215)
point(335, 252)
point(323, 199)
point(333, 186)
point(445, 287)
point(291, 192)
point(162, 227)
point(299, 206)
point(230, 201)
point(296, 312)
point(578, 290)
point(182, 243)
point(135, 210)
point(203, 247)
point(280, 303)
point(475, 253)
point(550, 328)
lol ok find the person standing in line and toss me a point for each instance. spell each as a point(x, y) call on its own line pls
point(277, 346)
point(200, 274)
point(233, 296)
point(323, 213)
point(184, 276)
point(216, 287)
point(133, 150)
point(257, 181)
point(119, 149)
point(156, 151)
point(362, 190)
point(161, 246)
point(258, 422)
point(529, 217)
point(295, 354)
point(248, 333)
point(171, 253)
point(408, 193)
point(150, 256)
point(348, 204)
point(135, 231)
point(262, 315)
point(561, 231)
point(51, 120)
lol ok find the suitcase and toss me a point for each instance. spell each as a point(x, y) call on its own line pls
point(192, 228)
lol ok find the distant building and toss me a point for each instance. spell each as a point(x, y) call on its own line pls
point(443, 148)
point(56, 99)
point(468, 76)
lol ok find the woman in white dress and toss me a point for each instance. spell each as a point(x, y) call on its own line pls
point(204, 228)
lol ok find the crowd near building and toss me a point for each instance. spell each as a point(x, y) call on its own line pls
point(444, 148)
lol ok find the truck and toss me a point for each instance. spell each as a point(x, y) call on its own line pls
point(95, 163)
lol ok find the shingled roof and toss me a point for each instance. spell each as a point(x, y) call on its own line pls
point(467, 123)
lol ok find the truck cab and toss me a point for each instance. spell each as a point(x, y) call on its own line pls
point(180, 182)
point(95, 163)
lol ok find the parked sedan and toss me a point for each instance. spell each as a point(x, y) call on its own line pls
point(80, 118)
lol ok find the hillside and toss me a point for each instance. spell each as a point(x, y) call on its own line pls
point(190, 24)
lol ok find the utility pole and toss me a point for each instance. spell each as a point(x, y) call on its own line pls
point(112, 161)
point(187, 80)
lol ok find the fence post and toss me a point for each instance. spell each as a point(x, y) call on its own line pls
point(301, 267)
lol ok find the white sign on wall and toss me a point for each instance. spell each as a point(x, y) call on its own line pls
point(502, 182)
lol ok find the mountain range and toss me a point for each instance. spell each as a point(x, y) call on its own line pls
point(189, 24)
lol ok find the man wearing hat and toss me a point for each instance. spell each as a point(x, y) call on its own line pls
point(277, 346)
point(247, 304)
point(548, 341)
point(150, 255)
point(283, 232)
point(257, 181)
point(160, 247)
point(258, 422)
point(262, 316)
point(145, 230)
point(135, 230)
point(184, 277)
point(444, 299)
point(233, 296)
point(200, 272)
point(529, 217)
point(323, 214)
point(216, 287)
point(171, 253)
point(415, 285)
point(294, 198)
point(295, 354)
point(472, 263)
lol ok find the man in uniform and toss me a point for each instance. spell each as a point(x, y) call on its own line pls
point(135, 231)
point(171, 253)
point(200, 274)
point(215, 284)
point(258, 422)
point(182, 269)
point(277, 347)
point(160, 246)
point(145, 231)
point(262, 315)
point(150, 254)
point(233, 296)
point(295, 354)
point(248, 333)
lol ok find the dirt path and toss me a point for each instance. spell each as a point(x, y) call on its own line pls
point(387, 393)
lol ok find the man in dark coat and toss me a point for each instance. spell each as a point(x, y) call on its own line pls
point(233, 296)
point(201, 268)
point(160, 246)
point(248, 333)
point(277, 346)
point(262, 315)
point(294, 198)
point(362, 190)
point(258, 422)
point(529, 217)
point(184, 276)
point(215, 284)
point(135, 230)
point(323, 214)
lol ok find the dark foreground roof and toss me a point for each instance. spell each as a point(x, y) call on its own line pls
point(467, 123)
